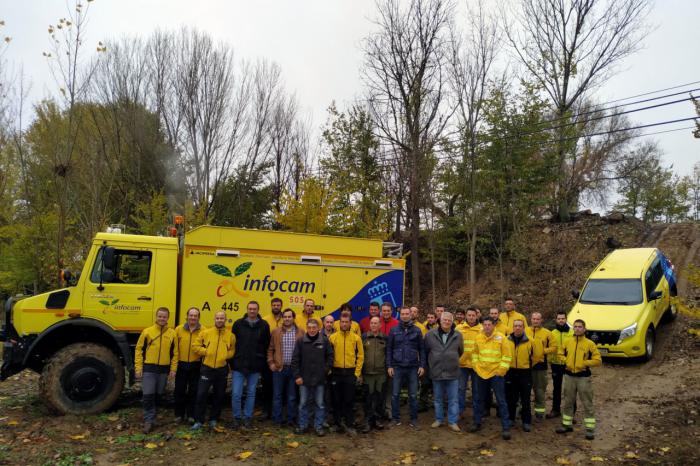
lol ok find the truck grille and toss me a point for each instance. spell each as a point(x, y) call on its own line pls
point(603, 337)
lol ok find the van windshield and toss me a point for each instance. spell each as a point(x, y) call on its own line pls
point(612, 291)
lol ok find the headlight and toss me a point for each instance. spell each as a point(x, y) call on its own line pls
point(627, 332)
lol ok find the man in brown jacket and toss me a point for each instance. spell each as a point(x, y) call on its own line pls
point(279, 358)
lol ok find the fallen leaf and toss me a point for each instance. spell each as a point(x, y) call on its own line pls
point(245, 454)
point(219, 429)
point(113, 418)
point(267, 434)
point(186, 436)
point(12, 423)
point(77, 437)
point(151, 445)
point(293, 444)
point(665, 449)
point(562, 460)
point(486, 452)
point(631, 455)
point(435, 448)
point(597, 458)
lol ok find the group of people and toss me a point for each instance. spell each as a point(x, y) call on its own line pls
point(311, 365)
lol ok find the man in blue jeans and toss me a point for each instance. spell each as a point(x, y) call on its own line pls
point(279, 359)
point(405, 361)
point(252, 341)
point(491, 359)
point(444, 346)
point(311, 362)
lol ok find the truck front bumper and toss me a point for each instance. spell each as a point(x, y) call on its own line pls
point(14, 352)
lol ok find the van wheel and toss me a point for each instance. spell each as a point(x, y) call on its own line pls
point(82, 378)
point(649, 340)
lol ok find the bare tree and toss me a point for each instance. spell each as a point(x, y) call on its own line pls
point(473, 57)
point(570, 47)
point(405, 73)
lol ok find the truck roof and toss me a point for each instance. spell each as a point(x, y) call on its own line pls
point(282, 241)
point(137, 240)
point(623, 263)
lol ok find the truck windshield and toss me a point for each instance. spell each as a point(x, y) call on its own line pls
point(612, 291)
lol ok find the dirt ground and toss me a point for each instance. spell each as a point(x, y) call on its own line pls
point(647, 414)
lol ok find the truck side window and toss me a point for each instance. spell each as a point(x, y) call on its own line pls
point(133, 267)
point(653, 276)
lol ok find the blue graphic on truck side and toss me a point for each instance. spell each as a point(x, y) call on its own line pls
point(388, 287)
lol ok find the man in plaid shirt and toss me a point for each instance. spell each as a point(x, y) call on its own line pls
point(279, 358)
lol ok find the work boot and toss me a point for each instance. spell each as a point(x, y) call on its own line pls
point(454, 428)
point(436, 424)
point(474, 428)
point(590, 434)
point(350, 431)
point(378, 425)
point(505, 434)
point(300, 430)
point(553, 414)
point(366, 428)
point(196, 426)
point(527, 427)
point(147, 427)
point(539, 416)
point(564, 429)
point(320, 432)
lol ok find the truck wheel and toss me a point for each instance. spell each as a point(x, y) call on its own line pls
point(649, 339)
point(82, 378)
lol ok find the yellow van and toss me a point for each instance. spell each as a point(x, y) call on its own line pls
point(624, 301)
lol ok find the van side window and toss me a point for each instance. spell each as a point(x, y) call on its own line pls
point(133, 267)
point(653, 276)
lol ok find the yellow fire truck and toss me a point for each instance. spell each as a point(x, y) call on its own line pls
point(81, 338)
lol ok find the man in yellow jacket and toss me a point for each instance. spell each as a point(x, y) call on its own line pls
point(354, 326)
point(539, 370)
point(509, 315)
point(561, 333)
point(491, 359)
point(580, 354)
point(348, 357)
point(156, 357)
point(215, 346)
point(470, 330)
point(499, 326)
point(527, 352)
point(187, 376)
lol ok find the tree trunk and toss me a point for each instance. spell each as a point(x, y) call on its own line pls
point(472, 266)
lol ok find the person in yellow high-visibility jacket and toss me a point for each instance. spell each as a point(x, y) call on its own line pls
point(527, 352)
point(348, 357)
point(580, 354)
point(215, 346)
point(155, 360)
point(510, 315)
point(491, 359)
point(187, 376)
point(470, 330)
point(539, 371)
point(561, 333)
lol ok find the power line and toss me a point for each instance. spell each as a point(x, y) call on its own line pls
point(656, 92)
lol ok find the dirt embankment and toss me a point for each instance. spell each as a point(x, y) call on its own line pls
point(647, 412)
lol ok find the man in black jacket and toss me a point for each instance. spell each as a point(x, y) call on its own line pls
point(252, 340)
point(311, 361)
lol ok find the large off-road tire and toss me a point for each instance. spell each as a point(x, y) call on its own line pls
point(82, 378)
point(649, 341)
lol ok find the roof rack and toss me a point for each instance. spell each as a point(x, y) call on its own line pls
point(393, 250)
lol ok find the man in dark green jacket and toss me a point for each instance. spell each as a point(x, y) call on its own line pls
point(374, 374)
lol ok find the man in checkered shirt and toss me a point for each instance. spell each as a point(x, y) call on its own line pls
point(279, 358)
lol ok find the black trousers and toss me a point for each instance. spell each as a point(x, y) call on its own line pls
point(208, 378)
point(343, 391)
point(557, 378)
point(518, 388)
point(186, 383)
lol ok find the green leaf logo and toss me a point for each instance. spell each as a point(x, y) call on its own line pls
point(104, 301)
point(115, 301)
point(220, 270)
point(241, 269)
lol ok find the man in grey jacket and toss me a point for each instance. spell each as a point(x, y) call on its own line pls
point(444, 346)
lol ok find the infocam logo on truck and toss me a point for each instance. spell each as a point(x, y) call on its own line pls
point(255, 284)
point(81, 338)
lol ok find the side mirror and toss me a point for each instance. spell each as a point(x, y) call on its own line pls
point(654, 295)
point(109, 260)
point(575, 293)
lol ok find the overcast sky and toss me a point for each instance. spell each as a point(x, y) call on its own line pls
point(317, 44)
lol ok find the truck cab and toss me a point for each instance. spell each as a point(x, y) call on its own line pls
point(80, 338)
